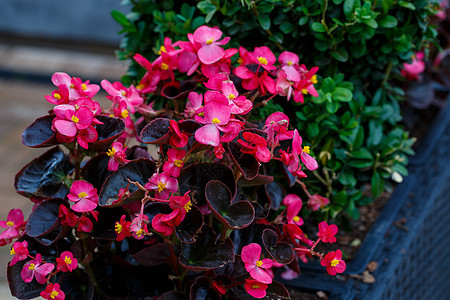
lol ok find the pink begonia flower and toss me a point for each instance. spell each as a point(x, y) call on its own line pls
point(308, 160)
point(188, 61)
point(219, 151)
point(116, 155)
point(68, 218)
point(334, 263)
point(174, 162)
point(255, 144)
point(215, 82)
point(86, 136)
point(20, 252)
point(195, 101)
point(277, 123)
point(250, 255)
point(85, 224)
point(35, 268)
point(122, 229)
point(14, 224)
point(66, 262)
point(221, 66)
point(327, 232)
point(166, 223)
point(412, 70)
point(255, 288)
point(117, 92)
point(73, 120)
point(316, 201)
point(182, 204)
point(239, 104)
point(264, 58)
point(163, 184)
point(306, 84)
point(177, 138)
point(138, 226)
point(216, 114)
point(289, 64)
point(59, 96)
point(209, 39)
point(77, 88)
point(294, 205)
point(85, 196)
point(53, 292)
point(289, 274)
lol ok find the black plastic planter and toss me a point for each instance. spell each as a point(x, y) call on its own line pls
point(414, 259)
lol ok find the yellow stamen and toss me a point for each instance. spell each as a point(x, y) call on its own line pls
point(53, 294)
point(314, 79)
point(255, 286)
point(164, 66)
point(76, 106)
point(31, 267)
point(124, 93)
point(83, 87)
point(161, 187)
point(210, 41)
point(188, 206)
point(296, 218)
point(240, 60)
point(82, 195)
point(215, 121)
point(118, 228)
point(140, 86)
point(12, 252)
point(162, 49)
point(306, 149)
point(124, 114)
point(262, 60)
point(75, 119)
point(9, 223)
point(72, 86)
point(140, 232)
point(334, 262)
point(413, 57)
point(201, 114)
point(231, 96)
point(111, 152)
point(67, 260)
point(305, 91)
point(57, 96)
point(178, 163)
point(289, 63)
point(259, 263)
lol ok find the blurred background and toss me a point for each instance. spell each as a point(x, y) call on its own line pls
point(38, 38)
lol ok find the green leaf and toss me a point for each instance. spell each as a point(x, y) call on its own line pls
point(328, 85)
point(352, 210)
point(303, 20)
point(350, 6)
point(358, 137)
point(377, 184)
point(340, 198)
point(210, 15)
point(206, 7)
point(318, 27)
point(312, 129)
point(278, 37)
point(347, 178)
point(342, 94)
point(340, 54)
point(371, 23)
point(264, 21)
point(265, 7)
point(332, 107)
point(120, 18)
point(375, 132)
point(287, 27)
point(388, 21)
point(321, 46)
point(407, 4)
point(197, 22)
point(357, 163)
point(362, 153)
point(387, 4)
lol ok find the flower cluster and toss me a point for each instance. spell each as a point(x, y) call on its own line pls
point(115, 204)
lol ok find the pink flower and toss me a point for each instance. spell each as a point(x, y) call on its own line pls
point(289, 64)
point(277, 123)
point(117, 92)
point(294, 205)
point(35, 268)
point(239, 104)
point(310, 162)
point(177, 138)
point(195, 101)
point(66, 262)
point(163, 184)
point(264, 58)
point(174, 162)
point(289, 274)
point(316, 201)
point(165, 223)
point(85, 196)
point(334, 263)
point(68, 218)
point(77, 88)
point(116, 155)
point(250, 255)
point(255, 288)
point(53, 292)
point(256, 145)
point(209, 39)
point(59, 96)
point(412, 70)
point(69, 120)
point(85, 224)
point(14, 224)
point(122, 229)
point(327, 232)
point(20, 252)
point(306, 84)
point(182, 204)
point(138, 226)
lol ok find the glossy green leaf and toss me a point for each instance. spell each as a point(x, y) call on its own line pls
point(388, 21)
point(342, 94)
point(264, 21)
point(318, 27)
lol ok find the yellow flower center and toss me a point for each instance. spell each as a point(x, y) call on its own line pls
point(262, 60)
point(289, 63)
point(31, 267)
point(75, 119)
point(83, 87)
point(72, 86)
point(111, 152)
point(124, 114)
point(140, 86)
point(306, 149)
point(240, 61)
point(231, 96)
point(215, 121)
point(164, 66)
point(314, 79)
point(162, 49)
point(255, 286)
point(57, 96)
point(259, 263)
point(296, 218)
point(53, 294)
point(188, 206)
point(140, 232)
point(210, 41)
point(201, 114)
point(161, 187)
point(178, 163)
point(124, 93)
point(67, 260)
point(334, 262)
point(9, 223)
point(304, 91)
point(118, 228)
point(12, 252)
point(82, 195)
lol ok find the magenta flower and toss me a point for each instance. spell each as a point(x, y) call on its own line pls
point(85, 196)
point(250, 255)
point(209, 39)
point(276, 128)
point(216, 114)
point(35, 268)
point(66, 262)
point(68, 218)
point(138, 227)
point(53, 292)
point(412, 70)
point(306, 84)
point(289, 64)
point(116, 155)
point(264, 57)
point(85, 224)
point(20, 252)
point(255, 288)
point(122, 228)
point(195, 101)
point(327, 232)
point(59, 96)
point(309, 161)
point(14, 224)
point(163, 184)
point(316, 201)
point(73, 120)
point(77, 88)
point(334, 263)
point(174, 162)
point(165, 223)
point(255, 144)
point(239, 104)
point(117, 92)
point(294, 205)
point(177, 138)
point(86, 136)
